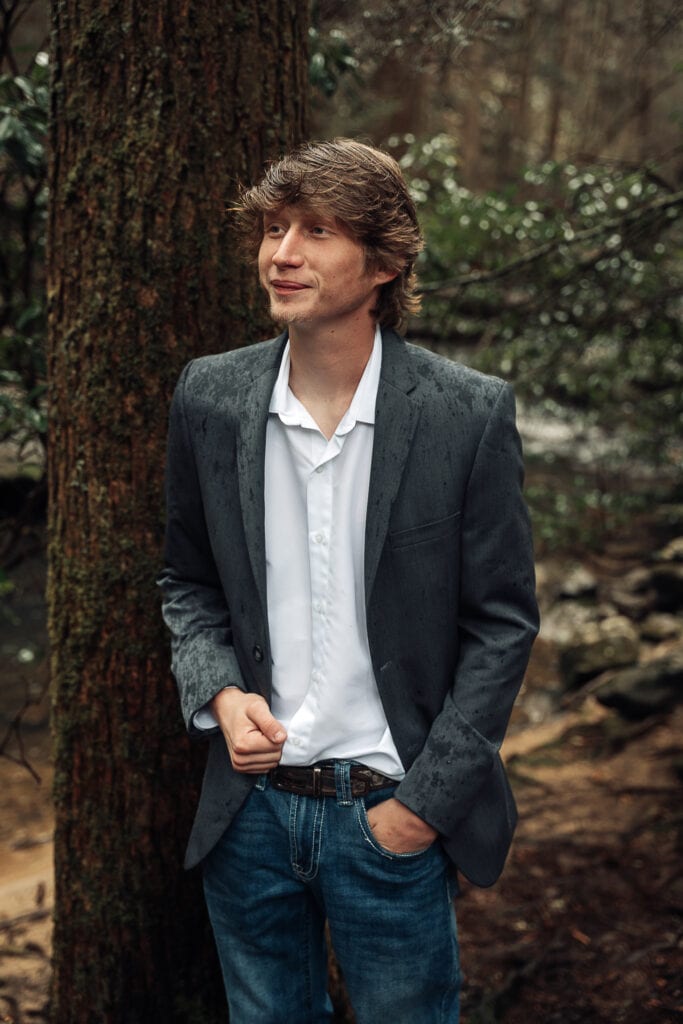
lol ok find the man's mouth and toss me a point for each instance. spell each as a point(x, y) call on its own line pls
point(287, 287)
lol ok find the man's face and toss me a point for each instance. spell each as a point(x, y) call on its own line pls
point(314, 271)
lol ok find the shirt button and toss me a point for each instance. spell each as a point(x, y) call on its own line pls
point(318, 538)
point(257, 652)
point(320, 469)
point(296, 741)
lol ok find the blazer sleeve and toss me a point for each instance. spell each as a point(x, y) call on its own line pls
point(194, 606)
point(497, 623)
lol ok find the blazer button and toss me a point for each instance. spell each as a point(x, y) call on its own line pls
point(257, 652)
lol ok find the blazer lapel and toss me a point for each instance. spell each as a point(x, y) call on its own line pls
point(251, 449)
point(396, 417)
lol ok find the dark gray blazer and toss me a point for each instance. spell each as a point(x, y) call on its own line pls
point(449, 580)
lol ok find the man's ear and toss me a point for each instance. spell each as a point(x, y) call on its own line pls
point(382, 276)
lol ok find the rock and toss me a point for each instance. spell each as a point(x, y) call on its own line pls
point(596, 646)
point(673, 552)
point(637, 581)
point(647, 689)
point(660, 626)
point(634, 594)
point(560, 623)
point(580, 582)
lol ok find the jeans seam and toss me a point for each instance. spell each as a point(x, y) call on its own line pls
point(307, 961)
point(306, 874)
point(456, 975)
point(293, 849)
point(316, 845)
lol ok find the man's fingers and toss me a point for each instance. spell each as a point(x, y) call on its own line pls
point(250, 741)
point(254, 765)
point(253, 736)
point(260, 715)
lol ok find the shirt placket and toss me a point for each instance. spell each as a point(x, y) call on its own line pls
point(319, 498)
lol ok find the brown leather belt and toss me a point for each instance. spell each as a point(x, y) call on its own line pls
point(319, 780)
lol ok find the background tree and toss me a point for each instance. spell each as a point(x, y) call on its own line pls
point(157, 111)
point(513, 82)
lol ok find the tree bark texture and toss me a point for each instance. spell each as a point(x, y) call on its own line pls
point(158, 110)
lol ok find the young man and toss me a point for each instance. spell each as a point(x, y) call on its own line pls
point(350, 590)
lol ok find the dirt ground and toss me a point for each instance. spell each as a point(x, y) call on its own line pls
point(26, 887)
point(585, 926)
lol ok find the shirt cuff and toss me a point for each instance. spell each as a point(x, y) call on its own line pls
point(204, 719)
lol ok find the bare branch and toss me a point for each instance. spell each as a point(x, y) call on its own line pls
point(627, 222)
point(14, 733)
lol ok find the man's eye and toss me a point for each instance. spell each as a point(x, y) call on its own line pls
point(319, 230)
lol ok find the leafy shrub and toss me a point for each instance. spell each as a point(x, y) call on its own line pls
point(569, 283)
point(23, 202)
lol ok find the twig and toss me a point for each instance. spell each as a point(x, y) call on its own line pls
point(656, 947)
point(27, 918)
point(14, 730)
point(19, 951)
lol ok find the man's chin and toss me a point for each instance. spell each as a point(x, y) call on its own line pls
point(284, 316)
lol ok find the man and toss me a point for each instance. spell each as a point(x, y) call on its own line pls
point(349, 587)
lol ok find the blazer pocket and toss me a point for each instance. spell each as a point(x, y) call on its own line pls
point(426, 532)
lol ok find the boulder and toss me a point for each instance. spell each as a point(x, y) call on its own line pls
point(659, 626)
point(560, 623)
point(673, 552)
point(578, 583)
point(594, 647)
point(648, 689)
point(634, 594)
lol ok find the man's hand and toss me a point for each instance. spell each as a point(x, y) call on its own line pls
point(398, 829)
point(254, 738)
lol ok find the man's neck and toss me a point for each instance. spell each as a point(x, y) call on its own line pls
point(326, 368)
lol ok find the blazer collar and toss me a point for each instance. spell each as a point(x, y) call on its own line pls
point(395, 421)
point(252, 415)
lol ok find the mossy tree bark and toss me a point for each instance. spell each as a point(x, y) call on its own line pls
point(158, 110)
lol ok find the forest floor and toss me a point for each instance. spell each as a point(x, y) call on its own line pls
point(586, 924)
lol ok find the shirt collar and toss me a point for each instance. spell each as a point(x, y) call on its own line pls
point(361, 410)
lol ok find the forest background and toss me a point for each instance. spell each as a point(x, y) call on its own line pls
point(542, 143)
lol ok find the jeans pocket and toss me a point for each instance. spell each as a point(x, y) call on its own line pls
point(369, 837)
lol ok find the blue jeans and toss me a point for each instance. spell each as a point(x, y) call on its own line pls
point(285, 864)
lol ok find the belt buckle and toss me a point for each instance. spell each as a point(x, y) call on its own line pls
point(317, 781)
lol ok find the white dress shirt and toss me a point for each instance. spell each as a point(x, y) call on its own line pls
point(316, 496)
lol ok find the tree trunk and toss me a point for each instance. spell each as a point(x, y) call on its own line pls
point(644, 85)
point(557, 41)
point(471, 127)
point(158, 110)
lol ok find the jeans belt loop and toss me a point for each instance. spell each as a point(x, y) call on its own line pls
point(343, 783)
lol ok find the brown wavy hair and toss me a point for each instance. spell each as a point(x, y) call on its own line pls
point(361, 186)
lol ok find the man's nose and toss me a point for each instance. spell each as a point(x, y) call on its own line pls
point(288, 252)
